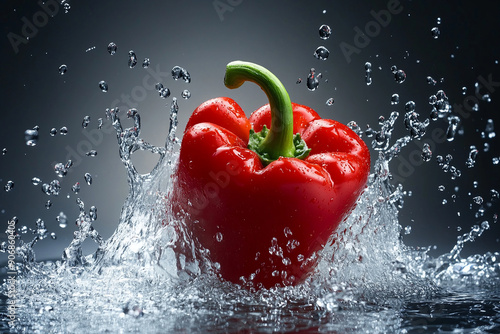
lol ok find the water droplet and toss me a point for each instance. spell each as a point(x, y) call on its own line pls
point(112, 48)
point(410, 106)
point(218, 237)
point(464, 90)
point(88, 178)
point(394, 99)
point(495, 160)
point(146, 63)
point(86, 121)
point(400, 76)
point(63, 131)
point(66, 6)
point(453, 122)
point(300, 257)
point(471, 160)
point(407, 230)
point(53, 132)
point(54, 187)
point(93, 213)
point(9, 186)
point(24, 229)
point(286, 261)
point(478, 200)
point(186, 94)
point(330, 102)
point(53, 236)
point(179, 72)
point(60, 169)
point(159, 86)
point(438, 20)
point(441, 188)
point(312, 80)
point(99, 123)
point(62, 69)
point(287, 231)
point(164, 93)
point(36, 181)
point(132, 59)
point(325, 31)
point(435, 32)
point(91, 153)
point(299, 80)
point(48, 204)
point(31, 137)
point(76, 188)
point(103, 85)
point(321, 53)
point(431, 81)
point(426, 152)
point(4, 151)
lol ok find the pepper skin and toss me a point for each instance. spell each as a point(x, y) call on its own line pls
point(264, 216)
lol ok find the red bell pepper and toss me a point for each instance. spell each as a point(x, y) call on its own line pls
point(260, 199)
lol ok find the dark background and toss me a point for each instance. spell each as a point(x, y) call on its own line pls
point(280, 35)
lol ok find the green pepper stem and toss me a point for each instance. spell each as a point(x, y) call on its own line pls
point(279, 141)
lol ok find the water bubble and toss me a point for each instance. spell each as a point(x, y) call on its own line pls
point(186, 94)
point(426, 152)
point(453, 122)
point(330, 101)
point(164, 93)
point(435, 32)
point(103, 85)
point(93, 213)
point(218, 237)
point(9, 186)
point(36, 181)
point(112, 48)
point(63, 131)
point(312, 80)
point(76, 188)
point(400, 76)
point(132, 59)
point(179, 72)
point(325, 31)
point(146, 63)
point(86, 121)
point(48, 204)
point(31, 137)
point(431, 81)
point(62, 69)
point(321, 53)
point(88, 178)
point(394, 99)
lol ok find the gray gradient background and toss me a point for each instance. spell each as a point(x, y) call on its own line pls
point(280, 35)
